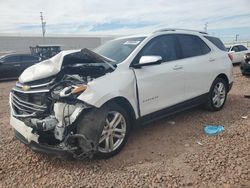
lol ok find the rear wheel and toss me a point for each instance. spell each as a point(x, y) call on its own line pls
point(217, 95)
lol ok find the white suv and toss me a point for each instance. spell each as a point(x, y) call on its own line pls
point(84, 103)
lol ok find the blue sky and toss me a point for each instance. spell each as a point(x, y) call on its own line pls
point(80, 17)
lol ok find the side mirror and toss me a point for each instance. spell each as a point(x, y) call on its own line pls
point(149, 60)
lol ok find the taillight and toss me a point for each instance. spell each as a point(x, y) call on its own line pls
point(230, 56)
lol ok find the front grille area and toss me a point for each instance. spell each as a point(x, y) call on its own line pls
point(28, 104)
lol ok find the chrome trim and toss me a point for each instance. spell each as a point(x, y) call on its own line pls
point(22, 105)
point(13, 113)
point(27, 103)
point(18, 84)
point(16, 103)
point(32, 91)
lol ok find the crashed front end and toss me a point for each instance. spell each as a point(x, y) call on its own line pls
point(45, 110)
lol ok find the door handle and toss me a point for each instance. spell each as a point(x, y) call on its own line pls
point(17, 65)
point(177, 67)
point(211, 59)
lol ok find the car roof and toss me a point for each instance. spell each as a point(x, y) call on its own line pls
point(169, 31)
point(181, 30)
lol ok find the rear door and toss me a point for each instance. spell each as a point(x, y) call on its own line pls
point(160, 86)
point(237, 54)
point(196, 60)
point(10, 67)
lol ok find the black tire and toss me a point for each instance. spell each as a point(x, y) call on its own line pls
point(216, 106)
point(92, 125)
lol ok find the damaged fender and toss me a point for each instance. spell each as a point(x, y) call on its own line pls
point(102, 89)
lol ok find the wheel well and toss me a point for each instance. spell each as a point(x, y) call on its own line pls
point(124, 103)
point(224, 77)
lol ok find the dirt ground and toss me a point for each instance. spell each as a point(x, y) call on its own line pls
point(173, 152)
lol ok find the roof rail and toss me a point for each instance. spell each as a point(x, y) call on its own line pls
point(178, 29)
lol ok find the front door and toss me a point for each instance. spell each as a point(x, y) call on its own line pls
point(160, 86)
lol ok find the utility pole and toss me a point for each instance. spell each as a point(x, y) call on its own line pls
point(205, 27)
point(236, 37)
point(43, 24)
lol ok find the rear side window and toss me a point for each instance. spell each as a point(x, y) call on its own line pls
point(217, 42)
point(192, 46)
point(242, 48)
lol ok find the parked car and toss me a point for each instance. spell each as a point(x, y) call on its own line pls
point(45, 51)
point(245, 65)
point(237, 53)
point(12, 65)
point(84, 103)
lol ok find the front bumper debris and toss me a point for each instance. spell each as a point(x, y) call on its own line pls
point(27, 136)
point(49, 150)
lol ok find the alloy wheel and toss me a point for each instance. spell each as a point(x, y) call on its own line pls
point(219, 95)
point(113, 132)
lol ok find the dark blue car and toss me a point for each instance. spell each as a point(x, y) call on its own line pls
point(12, 65)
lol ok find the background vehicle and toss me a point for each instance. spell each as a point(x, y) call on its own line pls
point(245, 65)
point(85, 103)
point(12, 65)
point(45, 51)
point(237, 53)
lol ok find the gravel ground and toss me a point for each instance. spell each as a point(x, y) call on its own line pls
point(173, 152)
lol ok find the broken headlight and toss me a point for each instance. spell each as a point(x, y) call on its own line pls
point(72, 90)
point(67, 90)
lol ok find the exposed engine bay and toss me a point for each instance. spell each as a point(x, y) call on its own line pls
point(51, 108)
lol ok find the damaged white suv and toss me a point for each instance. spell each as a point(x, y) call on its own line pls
point(84, 103)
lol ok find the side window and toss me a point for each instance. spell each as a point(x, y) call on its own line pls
point(12, 59)
point(29, 58)
point(164, 46)
point(242, 48)
point(236, 49)
point(217, 42)
point(192, 46)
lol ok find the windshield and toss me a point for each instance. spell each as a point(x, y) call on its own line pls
point(119, 49)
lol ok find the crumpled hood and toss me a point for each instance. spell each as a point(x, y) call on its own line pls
point(52, 66)
point(44, 69)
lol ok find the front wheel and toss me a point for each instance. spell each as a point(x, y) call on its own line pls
point(107, 127)
point(217, 95)
point(115, 132)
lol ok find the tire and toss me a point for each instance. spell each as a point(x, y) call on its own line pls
point(96, 126)
point(124, 127)
point(217, 95)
